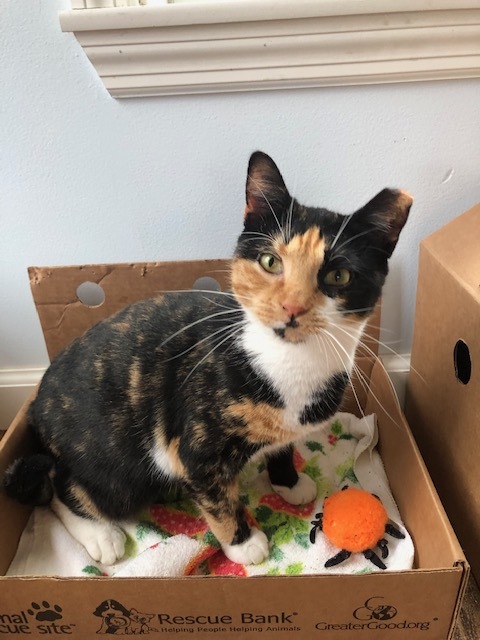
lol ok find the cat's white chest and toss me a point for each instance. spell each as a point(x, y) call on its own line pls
point(298, 371)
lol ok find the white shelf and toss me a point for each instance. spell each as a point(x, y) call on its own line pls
point(277, 44)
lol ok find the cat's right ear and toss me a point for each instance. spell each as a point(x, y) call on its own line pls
point(266, 193)
point(386, 214)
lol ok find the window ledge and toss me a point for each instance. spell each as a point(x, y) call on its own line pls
point(277, 44)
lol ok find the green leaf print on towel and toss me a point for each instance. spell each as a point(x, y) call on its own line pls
point(336, 433)
point(345, 471)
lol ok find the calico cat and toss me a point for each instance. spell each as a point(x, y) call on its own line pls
point(188, 386)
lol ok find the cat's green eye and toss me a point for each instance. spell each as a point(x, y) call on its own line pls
point(271, 263)
point(338, 278)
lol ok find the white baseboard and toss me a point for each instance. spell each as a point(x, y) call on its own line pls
point(17, 384)
point(15, 387)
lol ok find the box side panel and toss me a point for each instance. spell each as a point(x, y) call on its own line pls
point(462, 232)
point(444, 411)
point(434, 540)
point(14, 516)
point(64, 317)
point(413, 605)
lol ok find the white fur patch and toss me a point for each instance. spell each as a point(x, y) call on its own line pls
point(103, 540)
point(252, 551)
point(162, 462)
point(303, 492)
point(298, 370)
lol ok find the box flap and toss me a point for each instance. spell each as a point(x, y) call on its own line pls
point(456, 246)
point(64, 317)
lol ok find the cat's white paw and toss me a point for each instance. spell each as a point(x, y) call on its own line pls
point(105, 544)
point(304, 491)
point(103, 540)
point(252, 551)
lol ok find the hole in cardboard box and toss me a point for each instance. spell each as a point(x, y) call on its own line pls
point(206, 283)
point(462, 361)
point(91, 294)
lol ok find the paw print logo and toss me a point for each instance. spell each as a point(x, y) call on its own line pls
point(44, 612)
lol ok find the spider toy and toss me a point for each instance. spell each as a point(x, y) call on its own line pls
point(355, 521)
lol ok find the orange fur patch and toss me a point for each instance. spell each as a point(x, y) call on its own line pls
point(171, 449)
point(135, 382)
point(302, 258)
point(84, 501)
point(263, 422)
point(122, 327)
point(265, 294)
point(67, 403)
point(98, 366)
point(224, 527)
point(173, 456)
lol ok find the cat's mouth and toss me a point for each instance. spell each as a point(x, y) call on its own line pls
point(291, 331)
point(293, 323)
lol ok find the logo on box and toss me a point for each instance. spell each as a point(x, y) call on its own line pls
point(375, 615)
point(42, 618)
point(115, 618)
point(118, 619)
point(375, 610)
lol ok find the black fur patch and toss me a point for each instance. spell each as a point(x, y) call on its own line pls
point(281, 470)
point(327, 400)
point(27, 480)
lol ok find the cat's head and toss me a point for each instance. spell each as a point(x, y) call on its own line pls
point(299, 269)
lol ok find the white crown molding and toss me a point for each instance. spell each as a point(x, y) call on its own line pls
point(277, 44)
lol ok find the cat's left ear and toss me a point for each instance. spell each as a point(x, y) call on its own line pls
point(266, 193)
point(387, 214)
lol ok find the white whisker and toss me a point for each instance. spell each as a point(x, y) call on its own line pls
point(271, 209)
point(343, 226)
point(370, 388)
point(358, 235)
point(348, 369)
point(290, 220)
point(210, 291)
point(259, 234)
point(230, 335)
point(209, 337)
point(384, 345)
point(192, 324)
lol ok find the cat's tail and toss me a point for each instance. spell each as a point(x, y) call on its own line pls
point(28, 480)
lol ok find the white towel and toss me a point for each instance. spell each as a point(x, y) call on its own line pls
point(173, 540)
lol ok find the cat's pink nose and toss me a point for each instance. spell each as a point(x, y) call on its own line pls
point(293, 309)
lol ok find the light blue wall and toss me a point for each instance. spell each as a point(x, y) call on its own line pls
point(85, 178)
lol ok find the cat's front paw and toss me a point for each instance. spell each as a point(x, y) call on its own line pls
point(252, 551)
point(104, 540)
point(106, 544)
point(304, 491)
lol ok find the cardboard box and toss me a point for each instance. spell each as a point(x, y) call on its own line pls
point(443, 396)
point(423, 602)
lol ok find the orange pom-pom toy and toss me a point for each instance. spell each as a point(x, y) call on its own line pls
point(355, 521)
